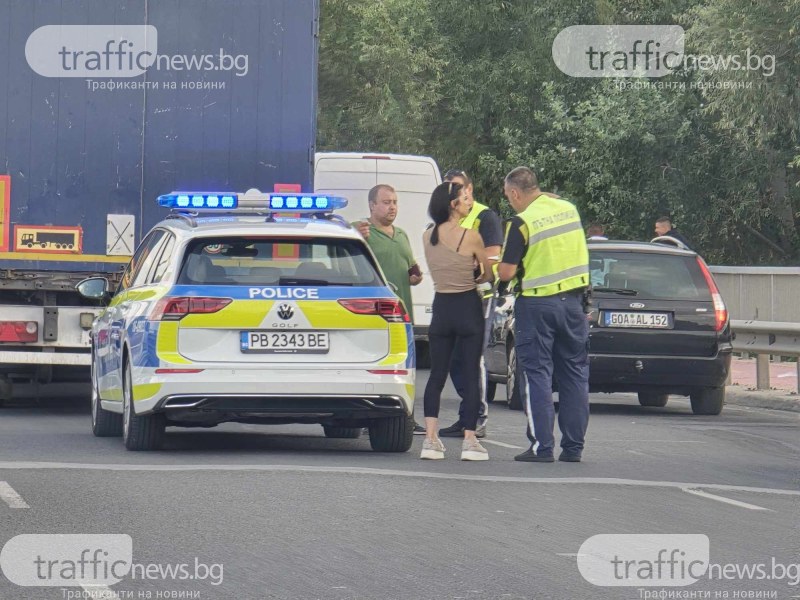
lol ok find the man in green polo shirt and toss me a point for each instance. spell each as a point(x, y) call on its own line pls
point(390, 244)
point(391, 247)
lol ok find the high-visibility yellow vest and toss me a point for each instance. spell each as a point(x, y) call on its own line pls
point(557, 259)
point(471, 221)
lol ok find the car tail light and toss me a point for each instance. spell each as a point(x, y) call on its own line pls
point(175, 308)
point(19, 331)
point(720, 311)
point(390, 309)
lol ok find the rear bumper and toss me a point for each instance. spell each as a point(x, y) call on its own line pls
point(280, 408)
point(286, 395)
point(667, 374)
point(82, 359)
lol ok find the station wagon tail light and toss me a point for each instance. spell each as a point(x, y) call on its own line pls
point(390, 309)
point(720, 311)
point(174, 308)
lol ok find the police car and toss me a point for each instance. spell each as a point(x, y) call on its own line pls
point(255, 308)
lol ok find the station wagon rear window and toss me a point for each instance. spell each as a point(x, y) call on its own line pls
point(654, 276)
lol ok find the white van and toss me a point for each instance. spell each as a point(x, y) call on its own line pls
point(353, 174)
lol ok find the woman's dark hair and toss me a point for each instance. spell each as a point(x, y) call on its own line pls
point(439, 207)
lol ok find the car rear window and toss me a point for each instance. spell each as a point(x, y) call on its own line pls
point(651, 275)
point(278, 261)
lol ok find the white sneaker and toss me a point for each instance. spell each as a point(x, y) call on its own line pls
point(432, 450)
point(472, 450)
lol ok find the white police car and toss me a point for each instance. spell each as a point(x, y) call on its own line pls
point(232, 310)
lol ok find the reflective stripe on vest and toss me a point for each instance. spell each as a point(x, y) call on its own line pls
point(557, 259)
point(471, 221)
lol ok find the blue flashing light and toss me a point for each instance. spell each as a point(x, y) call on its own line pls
point(309, 203)
point(199, 200)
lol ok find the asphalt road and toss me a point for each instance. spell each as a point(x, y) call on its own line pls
point(282, 512)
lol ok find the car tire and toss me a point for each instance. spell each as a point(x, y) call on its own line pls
point(104, 422)
point(513, 395)
point(392, 434)
point(139, 432)
point(491, 390)
point(653, 399)
point(708, 401)
point(343, 433)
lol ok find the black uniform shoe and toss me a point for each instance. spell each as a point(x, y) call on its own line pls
point(530, 456)
point(455, 430)
point(419, 429)
point(569, 457)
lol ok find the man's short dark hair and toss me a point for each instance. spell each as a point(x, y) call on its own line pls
point(595, 229)
point(457, 173)
point(372, 196)
point(664, 220)
point(523, 179)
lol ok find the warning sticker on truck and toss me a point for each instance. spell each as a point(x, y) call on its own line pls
point(48, 239)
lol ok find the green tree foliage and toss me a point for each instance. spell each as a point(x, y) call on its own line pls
point(380, 71)
point(473, 83)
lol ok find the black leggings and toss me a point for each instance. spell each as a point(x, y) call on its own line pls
point(456, 317)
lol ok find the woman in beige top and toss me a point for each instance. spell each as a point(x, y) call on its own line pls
point(457, 262)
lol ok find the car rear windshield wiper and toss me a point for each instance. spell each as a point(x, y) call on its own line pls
point(621, 291)
point(302, 281)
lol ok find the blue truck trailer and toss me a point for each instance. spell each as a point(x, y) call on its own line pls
point(106, 105)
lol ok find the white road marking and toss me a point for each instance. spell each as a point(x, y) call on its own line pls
point(11, 497)
point(647, 442)
point(100, 592)
point(725, 500)
point(189, 468)
point(501, 444)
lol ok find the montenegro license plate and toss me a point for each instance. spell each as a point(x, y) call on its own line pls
point(295, 342)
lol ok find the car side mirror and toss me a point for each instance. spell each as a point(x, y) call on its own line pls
point(94, 288)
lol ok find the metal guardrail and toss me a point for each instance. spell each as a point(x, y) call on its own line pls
point(760, 293)
point(765, 339)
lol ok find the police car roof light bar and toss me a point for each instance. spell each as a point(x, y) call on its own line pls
point(252, 200)
point(197, 201)
point(305, 203)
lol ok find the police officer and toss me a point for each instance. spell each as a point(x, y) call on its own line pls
point(487, 223)
point(545, 247)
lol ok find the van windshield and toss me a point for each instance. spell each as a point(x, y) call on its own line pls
point(258, 261)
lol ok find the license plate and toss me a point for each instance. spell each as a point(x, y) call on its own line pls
point(636, 319)
point(295, 342)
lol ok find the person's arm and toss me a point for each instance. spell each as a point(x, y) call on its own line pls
point(414, 272)
point(491, 230)
point(515, 248)
point(479, 252)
